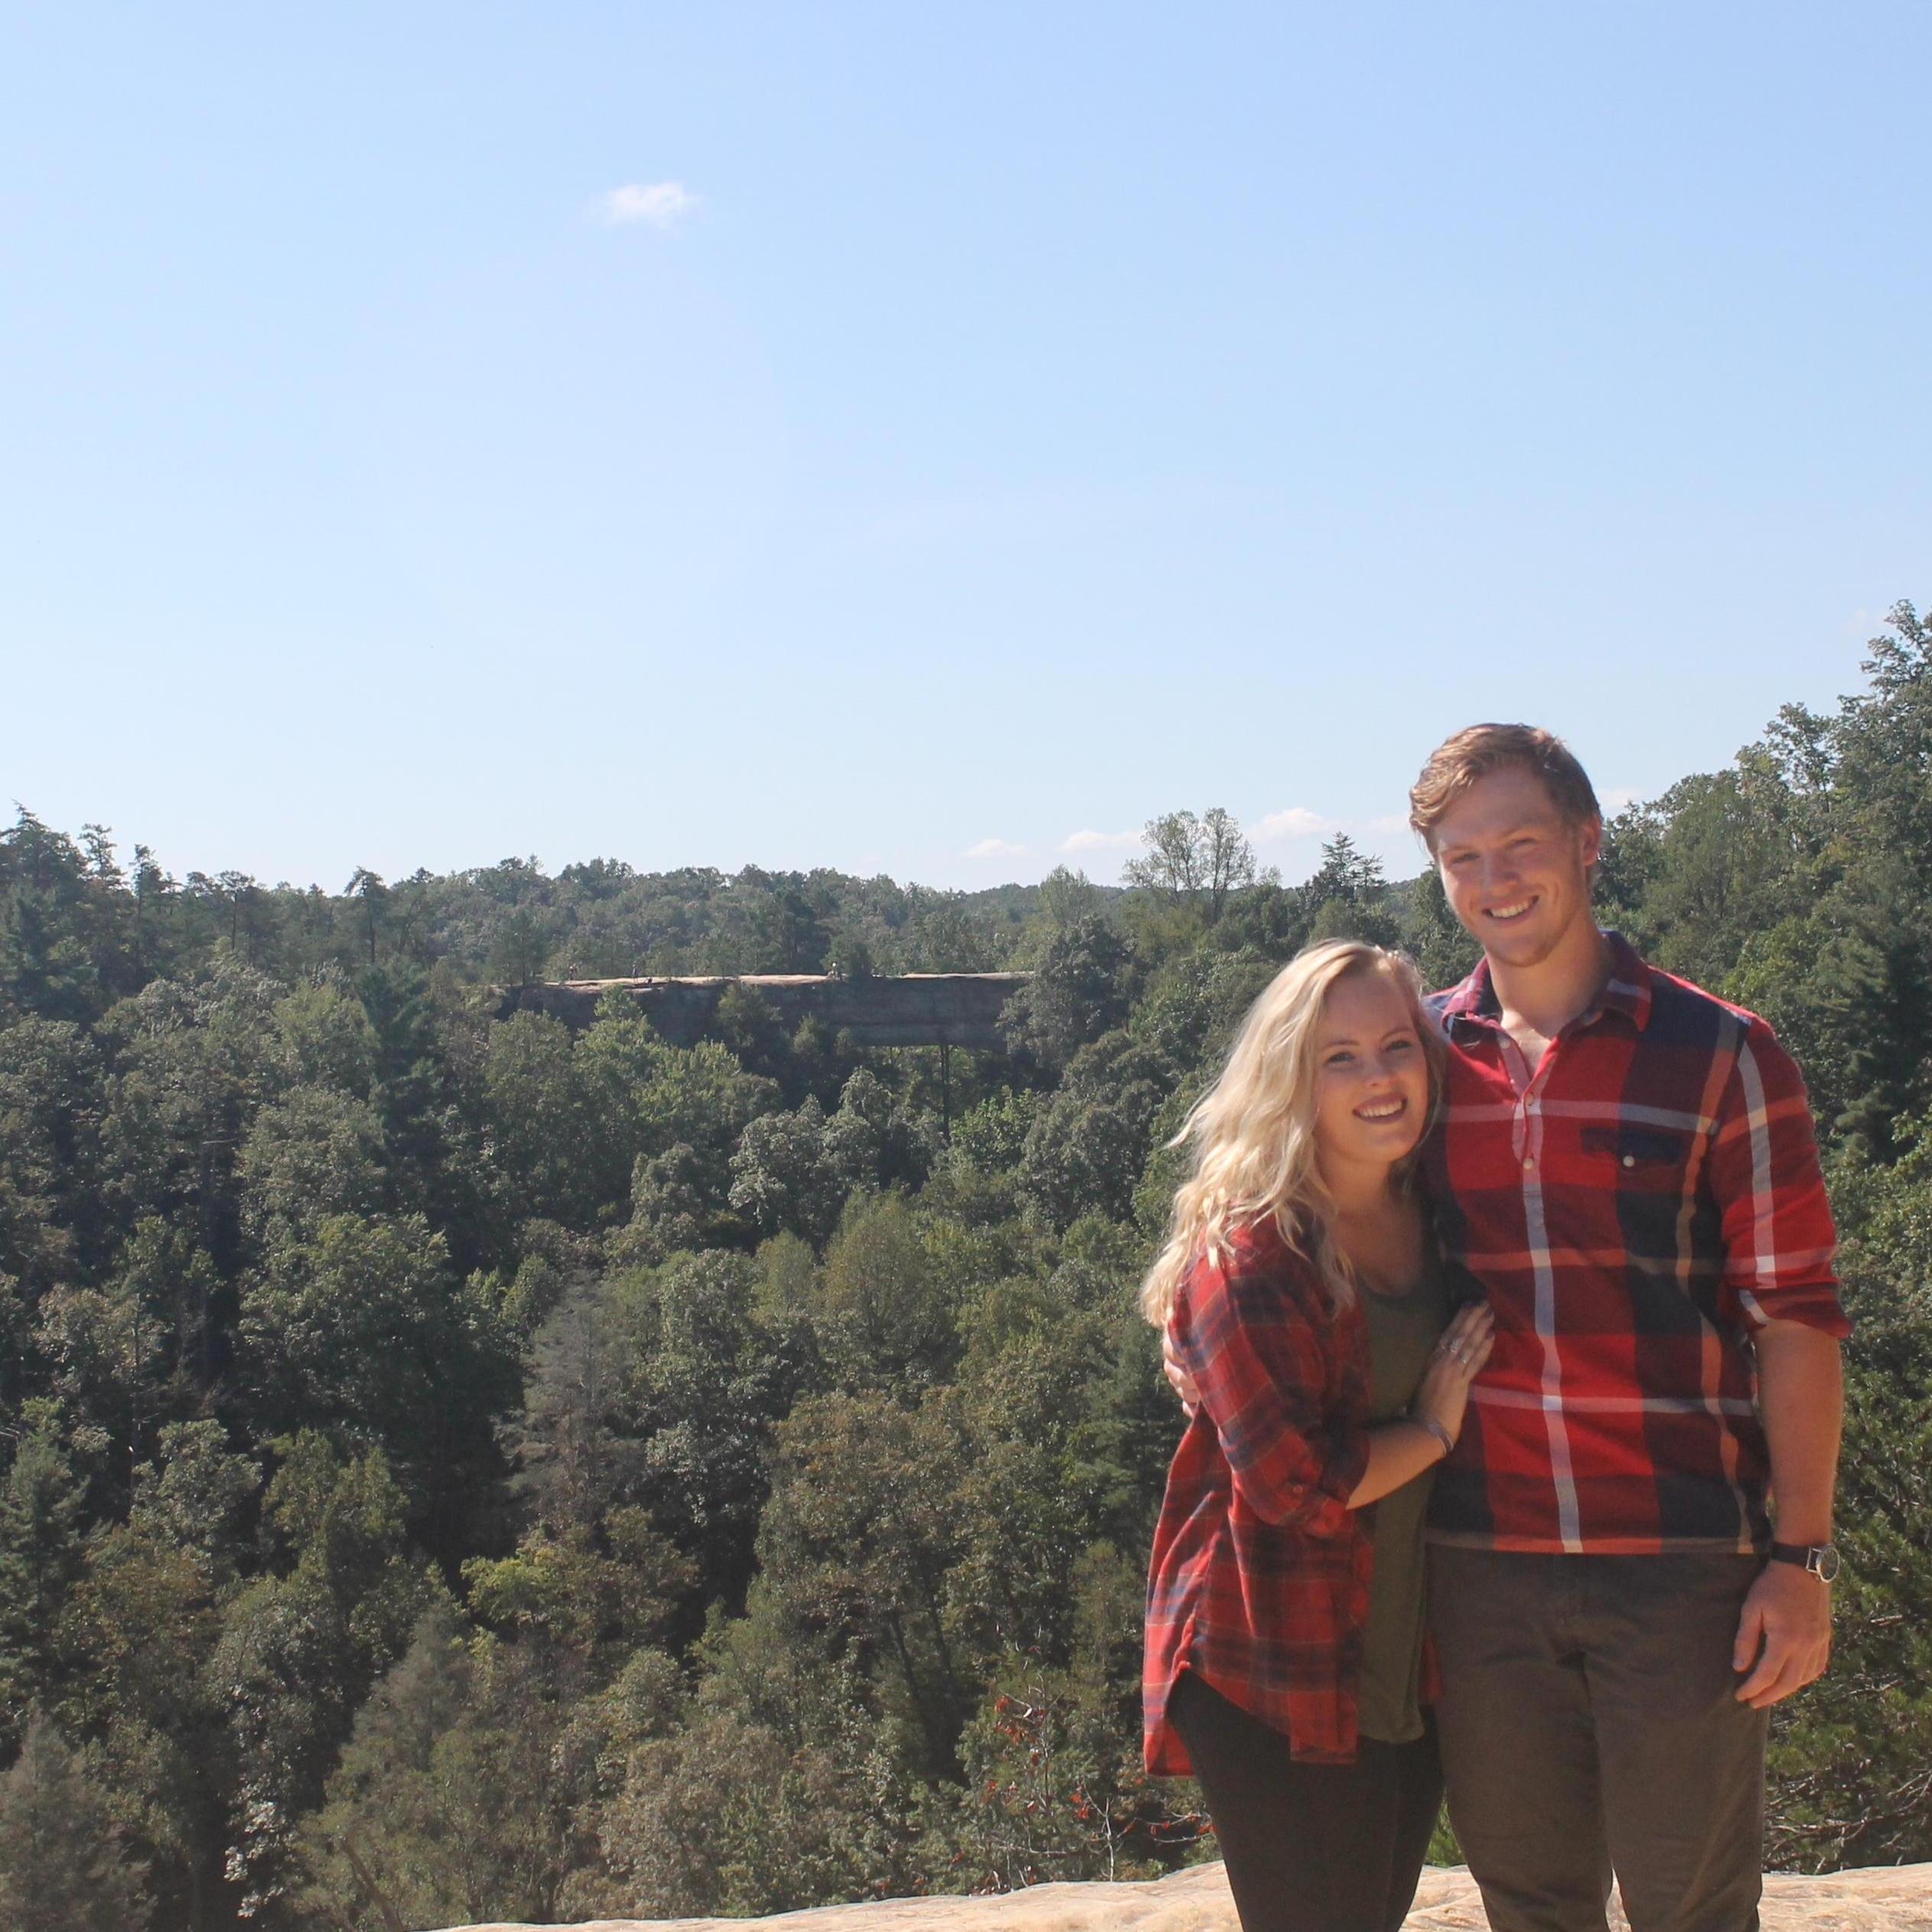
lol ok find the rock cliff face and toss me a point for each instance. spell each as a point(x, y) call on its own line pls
point(912, 1009)
point(1892, 1899)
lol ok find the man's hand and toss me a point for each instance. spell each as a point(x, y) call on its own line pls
point(1785, 1631)
point(1182, 1384)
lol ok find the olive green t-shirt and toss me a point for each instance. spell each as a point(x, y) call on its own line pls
point(1402, 1329)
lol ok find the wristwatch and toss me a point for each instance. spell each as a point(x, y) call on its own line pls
point(1820, 1558)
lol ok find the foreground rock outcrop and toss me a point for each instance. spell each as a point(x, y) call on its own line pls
point(1886, 1899)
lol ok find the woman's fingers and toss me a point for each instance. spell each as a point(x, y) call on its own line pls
point(1468, 1340)
point(1470, 1321)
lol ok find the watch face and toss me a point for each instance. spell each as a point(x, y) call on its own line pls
point(1824, 1562)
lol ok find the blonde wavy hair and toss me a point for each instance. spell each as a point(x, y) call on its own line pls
point(1252, 1131)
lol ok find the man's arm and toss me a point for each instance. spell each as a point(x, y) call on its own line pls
point(1785, 1627)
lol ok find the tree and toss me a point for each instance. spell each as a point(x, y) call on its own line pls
point(1082, 988)
point(47, 967)
point(454, 1799)
point(711, 1385)
point(1085, 1151)
point(1442, 950)
point(40, 1505)
point(1053, 1789)
point(367, 886)
point(885, 1316)
point(560, 1139)
point(1345, 897)
point(362, 1331)
point(521, 949)
point(855, 1544)
point(298, 1651)
point(135, 1636)
point(1849, 1758)
point(576, 1455)
point(62, 1868)
point(314, 1153)
point(51, 1221)
point(1196, 861)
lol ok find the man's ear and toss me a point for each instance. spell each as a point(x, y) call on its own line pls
point(1590, 839)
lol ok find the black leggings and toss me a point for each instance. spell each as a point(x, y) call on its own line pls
point(1310, 1847)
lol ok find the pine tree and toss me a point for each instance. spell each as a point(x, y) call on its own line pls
point(62, 1868)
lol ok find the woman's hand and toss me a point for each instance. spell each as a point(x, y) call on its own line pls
point(1460, 1351)
point(1179, 1380)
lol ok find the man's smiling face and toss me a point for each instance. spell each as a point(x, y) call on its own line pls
point(1516, 872)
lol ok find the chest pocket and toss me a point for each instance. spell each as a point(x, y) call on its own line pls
point(1651, 1150)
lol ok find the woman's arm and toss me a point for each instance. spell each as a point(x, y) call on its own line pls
point(1257, 1352)
point(1401, 1451)
point(1397, 1451)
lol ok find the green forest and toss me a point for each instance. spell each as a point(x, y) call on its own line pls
point(457, 1468)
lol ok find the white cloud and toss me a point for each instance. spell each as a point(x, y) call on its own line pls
point(1619, 798)
point(1088, 841)
point(659, 203)
point(1297, 822)
point(995, 849)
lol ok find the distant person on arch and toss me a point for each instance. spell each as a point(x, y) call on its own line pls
point(1625, 1165)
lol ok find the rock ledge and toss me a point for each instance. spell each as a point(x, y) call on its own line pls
point(1884, 1898)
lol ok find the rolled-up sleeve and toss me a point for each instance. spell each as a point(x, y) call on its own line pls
point(1779, 1238)
point(1261, 1365)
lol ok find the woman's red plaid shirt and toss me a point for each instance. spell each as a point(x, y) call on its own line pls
point(1260, 1580)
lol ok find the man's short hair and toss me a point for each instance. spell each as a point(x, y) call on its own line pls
point(1474, 752)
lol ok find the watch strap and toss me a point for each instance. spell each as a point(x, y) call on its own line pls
point(1820, 1558)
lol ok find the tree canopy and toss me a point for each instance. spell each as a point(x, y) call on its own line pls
point(457, 1468)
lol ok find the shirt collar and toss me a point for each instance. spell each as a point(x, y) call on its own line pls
point(1626, 991)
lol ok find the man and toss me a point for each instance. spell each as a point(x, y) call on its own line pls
point(1626, 1164)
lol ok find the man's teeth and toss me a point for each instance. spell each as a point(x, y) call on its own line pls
point(1511, 912)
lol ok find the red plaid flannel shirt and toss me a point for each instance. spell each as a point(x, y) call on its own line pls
point(1636, 1206)
point(1259, 1580)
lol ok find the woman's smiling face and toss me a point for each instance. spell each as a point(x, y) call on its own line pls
point(1371, 1075)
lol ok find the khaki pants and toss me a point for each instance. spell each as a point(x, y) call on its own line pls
point(1588, 1722)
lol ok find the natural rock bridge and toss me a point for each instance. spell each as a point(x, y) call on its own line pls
point(912, 1009)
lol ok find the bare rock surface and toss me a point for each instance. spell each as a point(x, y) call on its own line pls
point(1885, 1898)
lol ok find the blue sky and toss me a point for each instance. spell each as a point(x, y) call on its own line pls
point(931, 439)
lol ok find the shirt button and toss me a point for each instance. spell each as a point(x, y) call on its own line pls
point(1629, 1160)
point(1527, 1165)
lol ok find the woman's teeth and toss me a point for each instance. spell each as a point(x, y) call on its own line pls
point(1382, 1110)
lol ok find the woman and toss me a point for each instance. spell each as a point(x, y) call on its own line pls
point(1305, 1297)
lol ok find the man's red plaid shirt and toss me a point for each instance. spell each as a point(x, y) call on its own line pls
point(1259, 1580)
point(1636, 1206)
